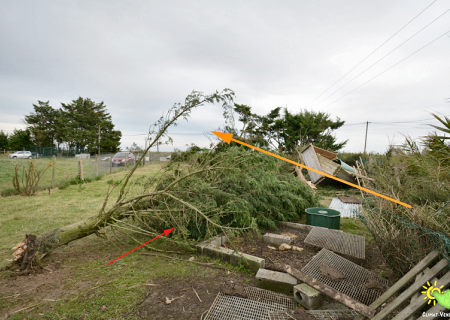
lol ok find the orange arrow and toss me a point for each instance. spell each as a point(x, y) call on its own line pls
point(228, 137)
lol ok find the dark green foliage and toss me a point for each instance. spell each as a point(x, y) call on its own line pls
point(78, 125)
point(42, 124)
point(3, 140)
point(286, 131)
point(351, 158)
point(19, 139)
point(76, 180)
point(248, 190)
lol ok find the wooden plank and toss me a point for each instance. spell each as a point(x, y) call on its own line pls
point(327, 154)
point(332, 293)
point(422, 301)
point(425, 262)
point(427, 275)
point(310, 159)
point(415, 295)
point(435, 310)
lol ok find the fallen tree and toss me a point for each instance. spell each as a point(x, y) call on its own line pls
point(158, 131)
point(229, 190)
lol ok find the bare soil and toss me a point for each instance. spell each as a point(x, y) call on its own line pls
point(276, 259)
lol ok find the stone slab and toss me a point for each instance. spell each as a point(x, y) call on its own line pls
point(276, 239)
point(276, 281)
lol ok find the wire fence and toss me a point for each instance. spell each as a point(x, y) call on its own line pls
point(65, 168)
point(402, 243)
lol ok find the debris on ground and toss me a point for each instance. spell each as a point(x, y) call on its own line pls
point(295, 248)
point(300, 314)
point(373, 284)
point(270, 247)
point(230, 288)
point(345, 199)
point(287, 234)
point(284, 247)
point(169, 301)
point(331, 273)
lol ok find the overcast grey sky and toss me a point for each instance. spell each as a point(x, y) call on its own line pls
point(140, 57)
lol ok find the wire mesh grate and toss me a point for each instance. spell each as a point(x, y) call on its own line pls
point(268, 296)
point(341, 242)
point(317, 314)
point(356, 277)
point(227, 307)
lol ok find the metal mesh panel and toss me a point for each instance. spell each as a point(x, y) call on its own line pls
point(227, 307)
point(317, 314)
point(341, 242)
point(270, 297)
point(356, 276)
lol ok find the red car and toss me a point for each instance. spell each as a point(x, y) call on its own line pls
point(119, 159)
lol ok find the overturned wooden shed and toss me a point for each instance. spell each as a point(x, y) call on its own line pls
point(327, 162)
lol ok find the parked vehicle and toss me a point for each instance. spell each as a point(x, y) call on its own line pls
point(21, 155)
point(119, 159)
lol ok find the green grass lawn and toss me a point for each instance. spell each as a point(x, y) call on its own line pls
point(77, 282)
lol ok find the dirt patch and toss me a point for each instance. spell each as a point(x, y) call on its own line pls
point(276, 259)
point(188, 304)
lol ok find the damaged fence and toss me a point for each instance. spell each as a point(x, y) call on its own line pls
point(402, 243)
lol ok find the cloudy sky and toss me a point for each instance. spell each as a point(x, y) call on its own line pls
point(140, 57)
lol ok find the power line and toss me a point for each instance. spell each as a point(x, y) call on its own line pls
point(372, 53)
point(385, 55)
point(389, 68)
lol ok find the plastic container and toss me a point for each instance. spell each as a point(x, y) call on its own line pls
point(323, 217)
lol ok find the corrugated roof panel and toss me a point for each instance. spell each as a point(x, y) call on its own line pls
point(347, 210)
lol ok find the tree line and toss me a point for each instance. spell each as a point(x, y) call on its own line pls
point(283, 130)
point(74, 126)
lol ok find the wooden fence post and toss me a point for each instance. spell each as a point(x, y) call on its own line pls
point(96, 166)
point(54, 173)
point(110, 165)
point(80, 169)
point(125, 165)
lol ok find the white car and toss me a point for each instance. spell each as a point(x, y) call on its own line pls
point(21, 155)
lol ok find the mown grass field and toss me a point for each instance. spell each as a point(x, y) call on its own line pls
point(66, 168)
point(77, 283)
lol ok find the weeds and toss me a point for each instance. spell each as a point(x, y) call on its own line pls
point(28, 184)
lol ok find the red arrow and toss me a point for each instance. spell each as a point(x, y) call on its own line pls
point(166, 232)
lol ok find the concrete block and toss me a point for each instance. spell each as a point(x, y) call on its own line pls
point(276, 281)
point(215, 241)
point(253, 263)
point(276, 239)
point(307, 296)
point(219, 253)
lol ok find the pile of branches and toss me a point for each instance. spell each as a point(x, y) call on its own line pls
point(231, 189)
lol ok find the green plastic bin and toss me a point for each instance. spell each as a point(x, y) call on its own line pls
point(323, 217)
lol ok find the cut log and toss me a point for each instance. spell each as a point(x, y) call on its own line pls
point(332, 293)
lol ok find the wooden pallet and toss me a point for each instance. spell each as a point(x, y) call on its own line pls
point(423, 274)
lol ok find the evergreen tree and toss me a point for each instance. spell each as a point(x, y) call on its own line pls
point(284, 131)
point(78, 124)
point(3, 140)
point(20, 139)
point(42, 124)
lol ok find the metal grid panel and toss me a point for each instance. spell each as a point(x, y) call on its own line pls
point(341, 242)
point(333, 314)
point(269, 297)
point(318, 314)
point(347, 210)
point(356, 276)
point(227, 307)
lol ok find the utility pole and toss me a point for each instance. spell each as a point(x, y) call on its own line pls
point(365, 143)
point(99, 140)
